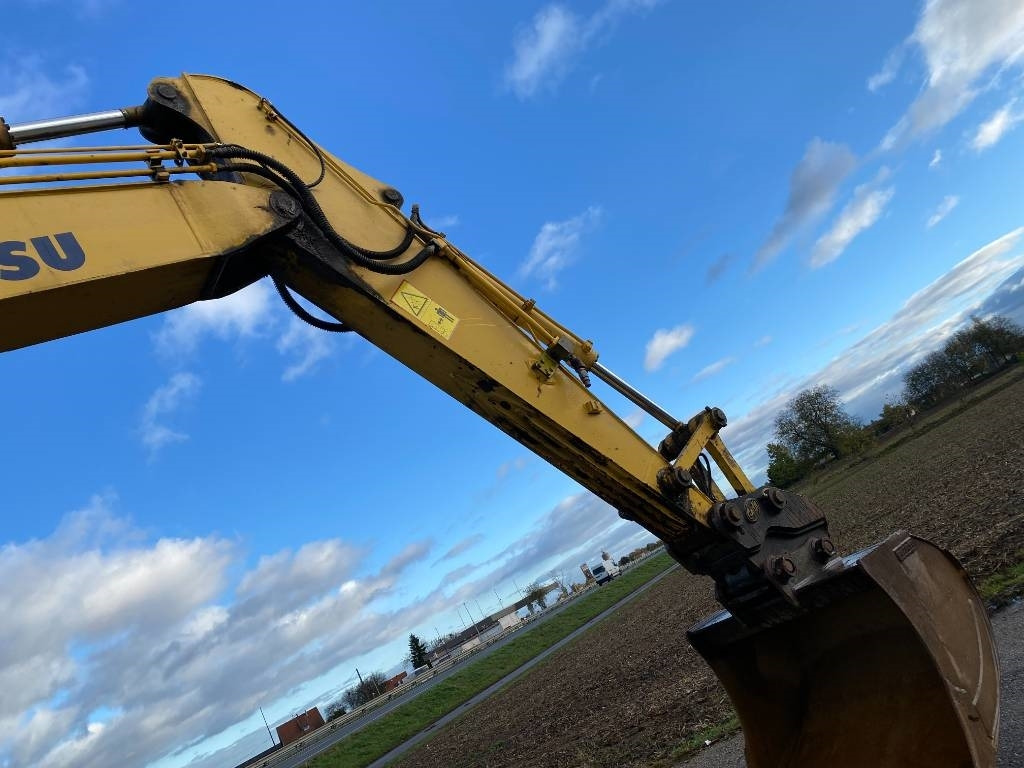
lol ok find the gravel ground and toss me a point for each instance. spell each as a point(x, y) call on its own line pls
point(630, 691)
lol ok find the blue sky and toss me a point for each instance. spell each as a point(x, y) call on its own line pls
point(201, 510)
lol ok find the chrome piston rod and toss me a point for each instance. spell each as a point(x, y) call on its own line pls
point(61, 127)
point(646, 405)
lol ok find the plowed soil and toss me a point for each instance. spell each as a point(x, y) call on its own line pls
point(631, 691)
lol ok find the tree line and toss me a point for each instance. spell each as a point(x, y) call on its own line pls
point(814, 428)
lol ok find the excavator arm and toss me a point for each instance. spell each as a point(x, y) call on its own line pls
point(229, 191)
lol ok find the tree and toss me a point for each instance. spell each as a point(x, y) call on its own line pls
point(982, 347)
point(443, 640)
point(535, 593)
point(814, 426)
point(371, 686)
point(931, 380)
point(895, 414)
point(418, 653)
point(999, 338)
point(623, 561)
point(335, 710)
point(784, 468)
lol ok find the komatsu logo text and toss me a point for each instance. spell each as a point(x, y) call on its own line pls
point(20, 260)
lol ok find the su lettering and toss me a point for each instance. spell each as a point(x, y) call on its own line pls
point(20, 262)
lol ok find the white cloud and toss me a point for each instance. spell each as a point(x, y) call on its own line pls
point(547, 49)
point(890, 67)
point(936, 160)
point(29, 92)
point(445, 222)
point(874, 365)
point(863, 210)
point(510, 466)
point(665, 342)
point(635, 418)
point(763, 341)
point(812, 191)
point(543, 51)
point(556, 245)
point(155, 434)
point(461, 547)
point(992, 130)
point(104, 620)
point(715, 368)
point(962, 42)
point(246, 313)
point(717, 268)
point(949, 202)
point(310, 345)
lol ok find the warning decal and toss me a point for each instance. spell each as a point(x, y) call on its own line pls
point(413, 301)
point(424, 309)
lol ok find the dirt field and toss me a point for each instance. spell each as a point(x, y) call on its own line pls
point(628, 693)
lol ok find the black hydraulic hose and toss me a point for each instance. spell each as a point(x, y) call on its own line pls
point(259, 170)
point(361, 256)
point(300, 312)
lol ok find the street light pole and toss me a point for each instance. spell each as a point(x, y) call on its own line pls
point(268, 728)
point(475, 625)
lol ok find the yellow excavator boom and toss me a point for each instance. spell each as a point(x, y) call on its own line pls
point(882, 657)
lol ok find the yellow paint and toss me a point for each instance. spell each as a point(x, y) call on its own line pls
point(425, 309)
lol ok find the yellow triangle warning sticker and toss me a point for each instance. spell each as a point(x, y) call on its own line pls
point(414, 301)
point(410, 299)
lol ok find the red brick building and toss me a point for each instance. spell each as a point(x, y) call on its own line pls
point(299, 726)
point(395, 681)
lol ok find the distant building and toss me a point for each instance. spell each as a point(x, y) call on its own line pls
point(395, 681)
point(509, 619)
point(299, 726)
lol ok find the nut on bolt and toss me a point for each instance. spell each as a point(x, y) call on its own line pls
point(730, 514)
point(717, 416)
point(674, 481)
point(823, 548)
point(392, 196)
point(781, 567)
point(285, 205)
point(775, 497)
point(167, 91)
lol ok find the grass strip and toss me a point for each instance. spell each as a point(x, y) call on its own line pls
point(1004, 586)
point(381, 736)
point(699, 741)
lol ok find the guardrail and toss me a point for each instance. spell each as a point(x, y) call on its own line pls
point(327, 729)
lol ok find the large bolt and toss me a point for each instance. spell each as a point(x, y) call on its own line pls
point(674, 481)
point(167, 91)
point(823, 548)
point(775, 497)
point(781, 567)
point(285, 204)
point(392, 196)
point(718, 420)
point(730, 514)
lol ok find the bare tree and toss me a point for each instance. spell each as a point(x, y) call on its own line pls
point(371, 686)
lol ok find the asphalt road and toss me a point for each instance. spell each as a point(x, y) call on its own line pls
point(1008, 625)
point(298, 758)
point(321, 745)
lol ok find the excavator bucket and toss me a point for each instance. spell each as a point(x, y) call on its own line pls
point(891, 663)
